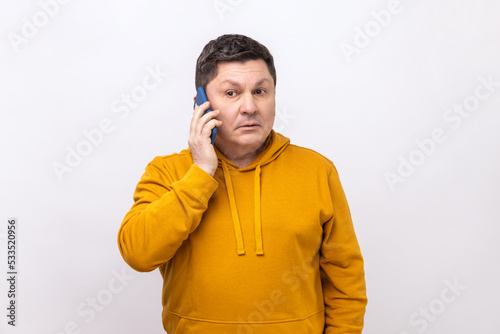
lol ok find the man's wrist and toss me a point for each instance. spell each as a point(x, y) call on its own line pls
point(208, 169)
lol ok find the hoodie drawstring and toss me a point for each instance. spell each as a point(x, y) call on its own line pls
point(234, 210)
point(240, 248)
point(258, 223)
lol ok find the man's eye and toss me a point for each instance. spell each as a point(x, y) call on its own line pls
point(230, 93)
point(259, 91)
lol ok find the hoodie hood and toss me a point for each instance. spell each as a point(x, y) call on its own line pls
point(275, 144)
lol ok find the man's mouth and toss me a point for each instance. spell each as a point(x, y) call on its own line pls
point(248, 125)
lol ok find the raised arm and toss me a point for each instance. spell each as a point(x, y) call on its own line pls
point(167, 209)
point(163, 215)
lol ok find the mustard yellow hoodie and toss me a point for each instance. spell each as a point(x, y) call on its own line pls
point(269, 248)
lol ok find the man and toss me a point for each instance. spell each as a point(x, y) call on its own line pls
point(251, 234)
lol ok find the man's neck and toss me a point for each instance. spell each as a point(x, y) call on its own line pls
point(241, 157)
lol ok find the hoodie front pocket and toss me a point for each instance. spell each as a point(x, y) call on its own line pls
point(304, 326)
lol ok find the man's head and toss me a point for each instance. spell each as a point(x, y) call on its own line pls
point(239, 79)
point(230, 48)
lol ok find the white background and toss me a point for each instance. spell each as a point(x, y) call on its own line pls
point(364, 111)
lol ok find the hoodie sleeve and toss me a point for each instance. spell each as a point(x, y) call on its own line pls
point(165, 212)
point(342, 271)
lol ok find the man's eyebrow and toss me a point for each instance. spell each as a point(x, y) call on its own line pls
point(262, 81)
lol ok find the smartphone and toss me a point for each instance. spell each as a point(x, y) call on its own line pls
point(201, 98)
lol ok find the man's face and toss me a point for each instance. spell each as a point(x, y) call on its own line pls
point(245, 96)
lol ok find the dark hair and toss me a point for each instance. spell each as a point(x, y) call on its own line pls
point(228, 48)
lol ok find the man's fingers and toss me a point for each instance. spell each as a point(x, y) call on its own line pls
point(202, 122)
point(199, 110)
point(201, 126)
point(209, 115)
point(207, 130)
point(197, 113)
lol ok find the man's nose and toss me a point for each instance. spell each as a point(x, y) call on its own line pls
point(248, 104)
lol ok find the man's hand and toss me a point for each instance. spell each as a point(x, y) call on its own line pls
point(199, 141)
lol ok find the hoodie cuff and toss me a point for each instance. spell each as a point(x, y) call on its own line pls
point(202, 184)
